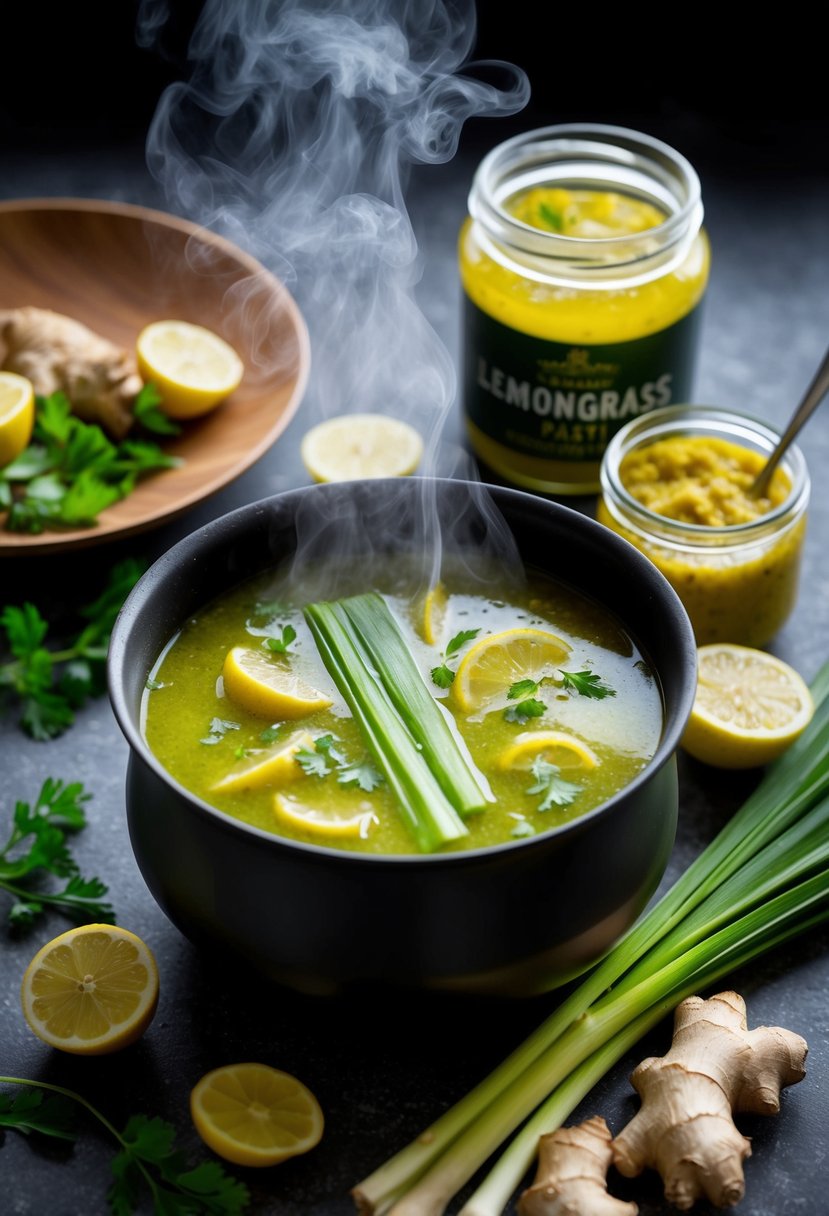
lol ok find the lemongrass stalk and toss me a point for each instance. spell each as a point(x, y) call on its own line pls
point(765, 927)
point(772, 807)
point(465, 787)
point(431, 818)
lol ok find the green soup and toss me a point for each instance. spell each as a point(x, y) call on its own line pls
point(549, 753)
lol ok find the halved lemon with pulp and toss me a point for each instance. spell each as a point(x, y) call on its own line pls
point(496, 662)
point(92, 990)
point(359, 446)
point(748, 709)
point(255, 1115)
point(17, 415)
point(276, 767)
point(565, 751)
point(192, 368)
point(266, 689)
point(323, 821)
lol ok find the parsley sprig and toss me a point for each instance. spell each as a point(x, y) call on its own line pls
point(587, 684)
point(443, 675)
point(280, 644)
point(49, 685)
point(529, 706)
point(147, 1158)
point(37, 847)
point(550, 783)
point(327, 758)
point(71, 471)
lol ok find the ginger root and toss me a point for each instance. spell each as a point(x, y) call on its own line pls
point(572, 1164)
point(57, 353)
point(716, 1065)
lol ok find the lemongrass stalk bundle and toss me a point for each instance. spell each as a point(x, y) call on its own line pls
point(765, 875)
point(427, 811)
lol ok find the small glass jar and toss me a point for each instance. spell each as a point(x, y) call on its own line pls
point(566, 338)
point(738, 583)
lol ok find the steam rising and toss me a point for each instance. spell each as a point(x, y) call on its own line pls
point(294, 137)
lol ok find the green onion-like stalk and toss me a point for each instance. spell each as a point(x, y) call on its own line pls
point(763, 880)
point(427, 811)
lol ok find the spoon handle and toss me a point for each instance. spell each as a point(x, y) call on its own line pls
point(812, 398)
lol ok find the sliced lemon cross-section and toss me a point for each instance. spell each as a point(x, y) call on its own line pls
point(276, 766)
point(192, 368)
point(255, 1115)
point(557, 747)
point(748, 709)
point(268, 689)
point(496, 662)
point(92, 990)
point(17, 415)
point(358, 446)
point(432, 614)
point(323, 821)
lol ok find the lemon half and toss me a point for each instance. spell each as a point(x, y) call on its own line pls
point(255, 1115)
point(266, 689)
point(359, 446)
point(748, 709)
point(17, 415)
point(192, 368)
point(493, 664)
point(92, 990)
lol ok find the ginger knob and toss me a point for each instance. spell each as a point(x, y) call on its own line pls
point(715, 1066)
point(572, 1165)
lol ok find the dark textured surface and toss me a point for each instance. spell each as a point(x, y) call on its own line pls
point(381, 1064)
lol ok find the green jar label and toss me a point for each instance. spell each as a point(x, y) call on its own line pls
point(565, 402)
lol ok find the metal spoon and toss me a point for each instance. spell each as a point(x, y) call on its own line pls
point(812, 398)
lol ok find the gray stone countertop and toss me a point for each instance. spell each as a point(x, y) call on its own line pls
point(383, 1069)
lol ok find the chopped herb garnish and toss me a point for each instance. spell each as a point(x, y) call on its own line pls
point(587, 684)
point(531, 707)
point(553, 219)
point(524, 688)
point(324, 744)
point(549, 782)
point(364, 775)
point(217, 730)
point(312, 763)
point(521, 829)
point(241, 752)
point(279, 645)
point(443, 675)
point(149, 416)
point(270, 734)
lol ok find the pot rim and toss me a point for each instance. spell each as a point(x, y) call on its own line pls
point(187, 549)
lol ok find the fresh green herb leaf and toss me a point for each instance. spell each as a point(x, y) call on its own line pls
point(270, 734)
point(364, 775)
point(459, 640)
point(147, 414)
point(442, 676)
point(524, 710)
point(553, 219)
point(522, 829)
point(241, 752)
point(279, 645)
point(549, 782)
point(324, 744)
point(587, 684)
point(217, 730)
point(147, 1163)
point(37, 846)
point(312, 763)
point(523, 688)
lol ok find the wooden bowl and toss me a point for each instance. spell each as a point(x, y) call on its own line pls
point(116, 267)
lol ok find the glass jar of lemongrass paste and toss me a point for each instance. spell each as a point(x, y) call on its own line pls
point(583, 263)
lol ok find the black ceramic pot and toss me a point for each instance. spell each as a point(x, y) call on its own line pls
point(514, 918)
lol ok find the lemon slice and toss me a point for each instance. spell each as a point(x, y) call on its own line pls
point(322, 821)
point(91, 990)
point(192, 368)
point(432, 615)
point(17, 415)
point(267, 690)
point(497, 661)
point(749, 707)
point(255, 1115)
point(359, 446)
point(555, 746)
point(276, 767)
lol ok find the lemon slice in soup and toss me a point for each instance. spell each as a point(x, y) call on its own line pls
point(555, 746)
point(323, 821)
point(495, 663)
point(432, 614)
point(277, 766)
point(266, 689)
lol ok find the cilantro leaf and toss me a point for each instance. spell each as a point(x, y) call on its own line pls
point(522, 689)
point(556, 791)
point(32, 1111)
point(217, 730)
point(459, 640)
point(587, 684)
point(524, 710)
point(324, 744)
point(85, 498)
point(270, 734)
point(363, 775)
point(280, 645)
point(312, 763)
point(442, 676)
point(147, 414)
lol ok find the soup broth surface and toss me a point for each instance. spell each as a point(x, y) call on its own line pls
point(201, 735)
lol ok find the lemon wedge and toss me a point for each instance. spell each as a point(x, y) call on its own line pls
point(17, 415)
point(192, 368)
point(493, 664)
point(320, 821)
point(432, 615)
point(267, 690)
point(92, 990)
point(748, 709)
point(255, 1115)
point(276, 767)
point(359, 446)
point(557, 747)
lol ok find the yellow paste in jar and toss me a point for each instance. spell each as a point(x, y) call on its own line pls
point(738, 595)
point(575, 316)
